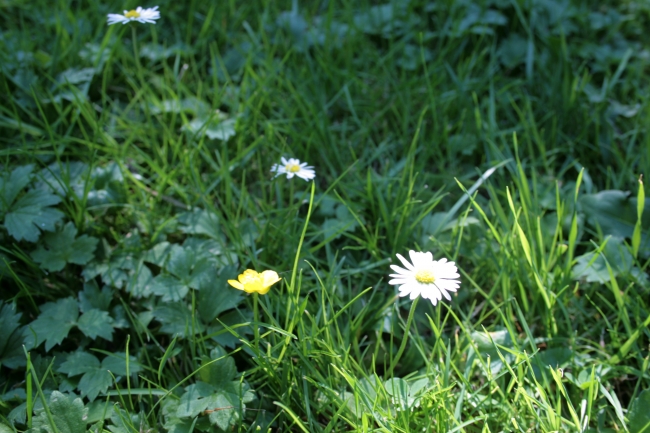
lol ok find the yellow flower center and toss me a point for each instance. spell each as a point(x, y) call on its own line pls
point(425, 276)
point(132, 14)
point(292, 168)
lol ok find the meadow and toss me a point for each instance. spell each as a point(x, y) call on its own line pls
point(145, 166)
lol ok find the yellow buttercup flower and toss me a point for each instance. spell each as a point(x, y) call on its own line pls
point(252, 282)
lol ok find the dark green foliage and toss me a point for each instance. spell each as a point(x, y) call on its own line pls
point(27, 215)
point(63, 415)
point(639, 416)
point(507, 136)
point(11, 350)
point(53, 324)
point(96, 377)
point(64, 247)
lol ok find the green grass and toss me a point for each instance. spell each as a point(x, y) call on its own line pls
point(508, 137)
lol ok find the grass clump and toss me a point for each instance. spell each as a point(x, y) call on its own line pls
point(146, 165)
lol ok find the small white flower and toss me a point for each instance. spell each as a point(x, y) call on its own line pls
point(431, 279)
point(149, 15)
point(293, 166)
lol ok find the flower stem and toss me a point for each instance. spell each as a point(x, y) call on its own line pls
point(134, 38)
point(256, 321)
point(402, 346)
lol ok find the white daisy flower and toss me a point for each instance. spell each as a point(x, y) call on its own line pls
point(431, 279)
point(293, 166)
point(149, 15)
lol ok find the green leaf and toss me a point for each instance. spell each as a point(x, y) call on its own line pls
point(4, 428)
point(399, 391)
point(214, 127)
point(12, 183)
point(94, 323)
point(177, 320)
point(344, 222)
point(229, 402)
point(76, 75)
point(169, 288)
point(96, 378)
point(99, 186)
point(139, 284)
point(220, 372)
point(615, 212)
point(195, 400)
point(78, 363)
point(512, 50)
point(68, 416)
point(180, 262)
point(53, 324)
point(191, 105)
point(64, 248)
point(114, 271)
point(594, 269)
point(125, 422)
point(64, 179)
point(91, 297)
point(385, 20)
point(11, 347)
point(225, 410)
point(216, 297)
point(485, 347)
point(116, 363)
point(204, 248)
point(98, 411)
point(200, 222)
point(108, 186)
point(177, 425)
point(556, 357)
point(186, 272)
point(231, 318)
point(95, 382)
point(158, 254)
point(31, 214)
point(225, 402)
point(639, 415)
point(157, 52)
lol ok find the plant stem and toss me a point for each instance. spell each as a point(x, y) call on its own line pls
point(134, 39)
point(402, 346)
point(256, 321)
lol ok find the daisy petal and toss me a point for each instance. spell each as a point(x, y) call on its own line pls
point(405, 262)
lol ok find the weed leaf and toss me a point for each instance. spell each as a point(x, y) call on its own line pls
point(216, 296)
point(616, 214)
point(11, 349)
point(53, 325)
point(64, 248)
point(177, 319)
point(95, 323)
point(11, 185)
point(31, 213)
point(220, 372)
point(68, 416)
point(638, 415)
point(200, 222)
